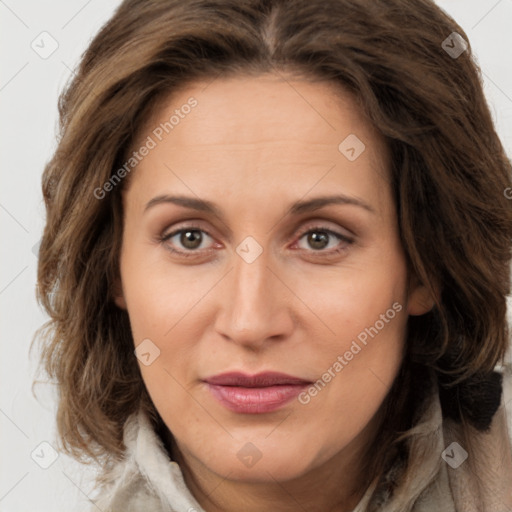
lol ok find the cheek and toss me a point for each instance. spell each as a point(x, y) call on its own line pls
point(354, 381)
point(367, 351)
point(352, 300)
point(357, 364)
point(163, 308)
point(157, 295)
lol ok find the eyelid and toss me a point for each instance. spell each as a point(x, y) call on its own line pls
point(342, 239)
point(322, 225)
point(314, 224)
point(180, 228)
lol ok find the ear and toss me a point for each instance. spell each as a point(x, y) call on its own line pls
point(420, 300)
point(119, 294)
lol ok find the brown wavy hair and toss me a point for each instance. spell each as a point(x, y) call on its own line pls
point(448, 176)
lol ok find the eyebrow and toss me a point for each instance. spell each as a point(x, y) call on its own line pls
point(297, 208)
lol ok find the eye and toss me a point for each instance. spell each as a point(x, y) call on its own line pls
point(189, 237)
point(318, 238)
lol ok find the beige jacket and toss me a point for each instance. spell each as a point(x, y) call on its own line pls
point(147, 480)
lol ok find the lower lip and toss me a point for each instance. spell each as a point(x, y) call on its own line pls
point(255, 400)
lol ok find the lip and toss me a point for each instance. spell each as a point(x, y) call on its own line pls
point(255, 394)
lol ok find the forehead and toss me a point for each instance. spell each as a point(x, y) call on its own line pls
point(265, 130)
point(241, 104)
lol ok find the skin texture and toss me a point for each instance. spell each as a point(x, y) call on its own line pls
point(253, 146)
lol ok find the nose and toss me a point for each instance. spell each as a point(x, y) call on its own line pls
point(256, 304)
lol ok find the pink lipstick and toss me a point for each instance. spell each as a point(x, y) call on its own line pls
point(255, 394)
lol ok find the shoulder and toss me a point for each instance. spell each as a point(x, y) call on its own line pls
point(482, 476)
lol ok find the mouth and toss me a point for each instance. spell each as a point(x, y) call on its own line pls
point(255, 394)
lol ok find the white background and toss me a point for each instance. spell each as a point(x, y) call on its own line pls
point(29, 88)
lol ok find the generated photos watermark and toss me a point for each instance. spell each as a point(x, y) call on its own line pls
point(150, 143)
point(355, 347)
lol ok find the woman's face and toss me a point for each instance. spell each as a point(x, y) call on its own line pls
point(264, 276)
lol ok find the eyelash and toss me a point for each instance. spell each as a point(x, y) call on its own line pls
point(191, 254)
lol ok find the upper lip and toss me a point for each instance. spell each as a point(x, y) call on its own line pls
point(259, 380)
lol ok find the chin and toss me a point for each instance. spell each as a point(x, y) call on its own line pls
point(257, 463)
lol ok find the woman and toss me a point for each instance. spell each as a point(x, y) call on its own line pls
point(331, 341)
